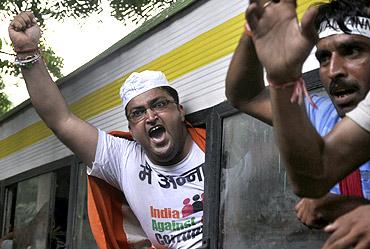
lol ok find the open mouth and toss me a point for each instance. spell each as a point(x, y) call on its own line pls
point(157, 133)
point(344, 96)
point(342, 92)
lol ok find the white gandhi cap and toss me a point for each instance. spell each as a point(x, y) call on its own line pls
point(138, 83)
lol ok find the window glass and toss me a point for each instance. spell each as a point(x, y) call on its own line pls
point(58, 228)
point(83, 236)
point(32, 209)
point(8, 218)
point(9, 209)
point(36, 212)
point(256, 201)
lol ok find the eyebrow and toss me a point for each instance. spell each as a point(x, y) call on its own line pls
point(149, 103)
point(349, 44)
point(342, 45)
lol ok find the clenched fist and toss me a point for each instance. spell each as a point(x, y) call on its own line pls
point(24, 32)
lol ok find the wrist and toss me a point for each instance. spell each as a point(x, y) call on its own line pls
point(283, 82)
point(282, 78)
point(26, 49)
point(27, 59)
point(297, 88)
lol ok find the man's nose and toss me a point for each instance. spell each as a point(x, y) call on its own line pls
point(336, 66)
point(151, 115)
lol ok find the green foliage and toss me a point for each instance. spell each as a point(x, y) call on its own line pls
point(140, 8)
point(52, 61)
point(5, 104)
point(123, 10)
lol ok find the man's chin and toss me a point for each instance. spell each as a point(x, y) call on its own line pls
point(345, 109)
point(161, 157)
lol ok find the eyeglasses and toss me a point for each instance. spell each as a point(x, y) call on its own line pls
point(138, 114)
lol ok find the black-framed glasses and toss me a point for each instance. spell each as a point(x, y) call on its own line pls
point(138, 114)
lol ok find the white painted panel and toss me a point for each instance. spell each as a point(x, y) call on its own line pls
point(41, 153)
point(23, 119)
point(207, 16)
point(198, 90)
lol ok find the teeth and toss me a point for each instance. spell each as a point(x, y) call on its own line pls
point(155, 128)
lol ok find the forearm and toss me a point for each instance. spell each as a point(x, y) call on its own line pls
point(78, 135)
point(45, 95)
point(300, 145)
point(244, 78)
point(245, 87)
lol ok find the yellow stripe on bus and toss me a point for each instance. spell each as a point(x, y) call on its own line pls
point(202, 50)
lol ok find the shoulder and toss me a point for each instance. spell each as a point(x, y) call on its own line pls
point(361, 114)
point(113, 142)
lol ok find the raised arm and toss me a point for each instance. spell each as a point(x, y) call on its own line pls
point(77, 134)
point(245, 88)
point(314, 164)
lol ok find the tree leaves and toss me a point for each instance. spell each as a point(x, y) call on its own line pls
point(142, 9)
point(123, 10)
point(5, 104)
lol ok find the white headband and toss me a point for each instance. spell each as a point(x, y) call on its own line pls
point(356, 26)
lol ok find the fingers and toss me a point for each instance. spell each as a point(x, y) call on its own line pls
point(255, 11)
point(352, 229)
point(300, 213)
point(340, 239)
point(23, 21)
point(300, 210)
point(253, 14)
point(299, 205)
point(331, 227)
point(308, 23)
point(364, 244)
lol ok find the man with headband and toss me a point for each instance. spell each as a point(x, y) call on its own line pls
point(160, 172)
point(346, 81)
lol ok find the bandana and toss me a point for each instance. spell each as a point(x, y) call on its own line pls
point(356, 26)
point(138, 83)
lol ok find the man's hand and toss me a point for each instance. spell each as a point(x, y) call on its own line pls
point(24, 32)
point(350, 231)
point(317, 213)
point(308, 212)
point(282, 44)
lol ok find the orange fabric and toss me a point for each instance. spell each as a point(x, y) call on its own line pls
point(105, 216)
point(105, 203)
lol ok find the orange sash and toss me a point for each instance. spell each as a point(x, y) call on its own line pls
point(112, 222)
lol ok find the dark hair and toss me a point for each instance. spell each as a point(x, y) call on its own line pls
point(339, 10)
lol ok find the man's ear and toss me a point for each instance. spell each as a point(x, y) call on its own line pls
point(129, 129)
point(182, 112)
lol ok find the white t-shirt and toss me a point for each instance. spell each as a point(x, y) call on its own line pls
point(167, 200)
point(361, 114)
